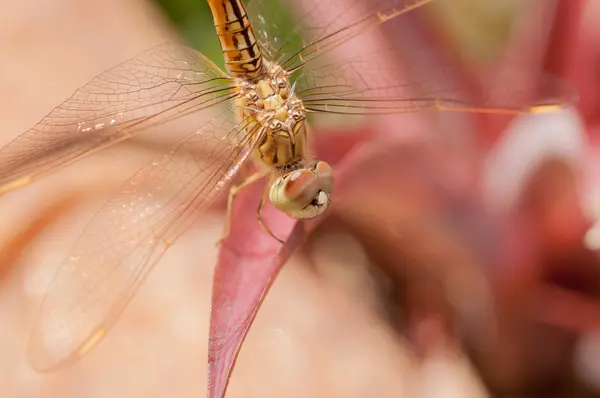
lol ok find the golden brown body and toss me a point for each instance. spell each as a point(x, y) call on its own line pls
point(275, 119)
point(241, 50)
point(282, 140)
point(267, 98)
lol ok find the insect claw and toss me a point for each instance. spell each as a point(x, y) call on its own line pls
point(269, 231)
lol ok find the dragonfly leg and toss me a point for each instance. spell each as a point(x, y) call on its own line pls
point(233, 191)
point(261, 207)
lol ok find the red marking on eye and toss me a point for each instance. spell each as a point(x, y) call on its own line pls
point(299, 184)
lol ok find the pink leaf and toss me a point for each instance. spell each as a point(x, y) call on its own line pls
point(248, 263)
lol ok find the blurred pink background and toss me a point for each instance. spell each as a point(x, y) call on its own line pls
point(459, 260)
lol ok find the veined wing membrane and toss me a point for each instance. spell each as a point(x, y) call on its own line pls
point(371, 84)
point(328, 24)
point(275, 27)
point(128, 236)
point(158, 85)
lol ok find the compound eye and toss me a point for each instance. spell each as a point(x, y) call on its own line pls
point(303, 193)
point(276, 125)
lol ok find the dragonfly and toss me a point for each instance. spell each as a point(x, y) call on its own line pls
point(270, 85)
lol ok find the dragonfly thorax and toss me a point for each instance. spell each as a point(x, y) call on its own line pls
point(276, 117)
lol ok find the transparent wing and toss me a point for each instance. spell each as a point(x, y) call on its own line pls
point(129, 234)
point(371, 84)
point(160, 84)
point(275, 27)
point(325, 26)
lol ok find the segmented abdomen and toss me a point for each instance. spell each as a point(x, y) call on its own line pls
point(239, 45)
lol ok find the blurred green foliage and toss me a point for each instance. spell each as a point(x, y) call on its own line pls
point(480, 28)
point(195, 24)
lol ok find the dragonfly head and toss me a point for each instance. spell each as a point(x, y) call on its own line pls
point(305, 192)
